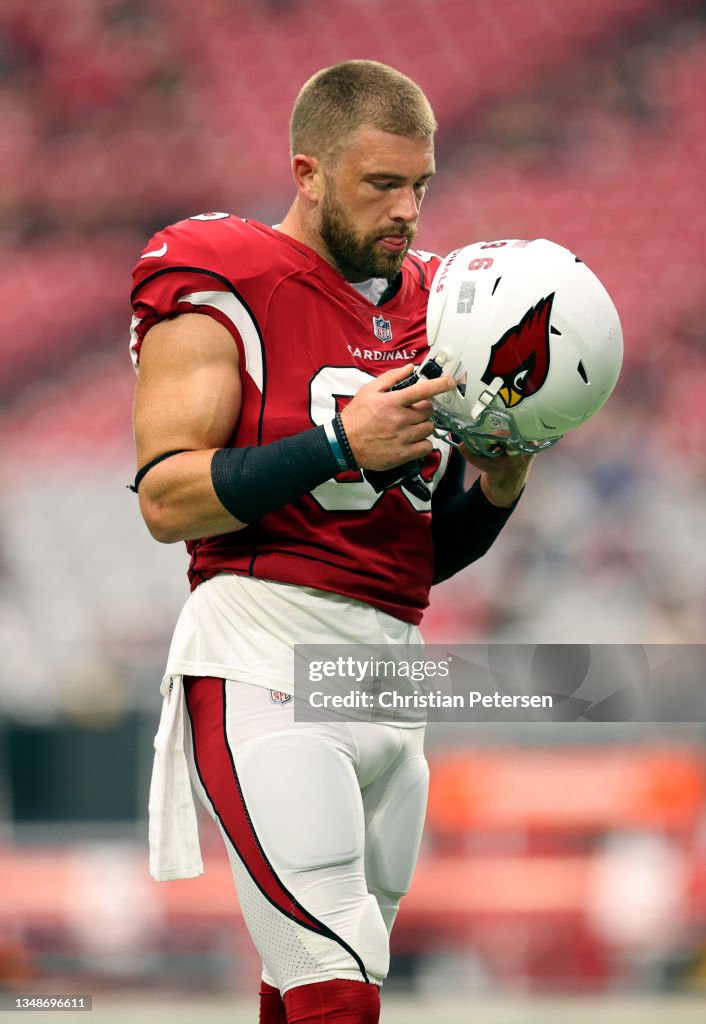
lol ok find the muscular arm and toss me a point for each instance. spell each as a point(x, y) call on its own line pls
point(188, 396)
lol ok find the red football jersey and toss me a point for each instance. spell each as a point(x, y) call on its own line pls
point(307, 341)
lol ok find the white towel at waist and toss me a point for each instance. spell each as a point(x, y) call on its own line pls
point(173, 829)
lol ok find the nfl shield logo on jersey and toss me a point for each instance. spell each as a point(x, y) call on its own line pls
point(382, 328)
point(277, 697)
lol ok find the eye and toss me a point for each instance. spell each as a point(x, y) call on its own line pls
point(419, 187)
point(519, 381)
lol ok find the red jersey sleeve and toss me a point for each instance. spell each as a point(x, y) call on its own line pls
point(179, 271)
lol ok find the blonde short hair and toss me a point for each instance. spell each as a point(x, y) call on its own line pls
point(336, 101)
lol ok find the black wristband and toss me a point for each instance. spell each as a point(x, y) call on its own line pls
point(345, 444)
point(250, 482)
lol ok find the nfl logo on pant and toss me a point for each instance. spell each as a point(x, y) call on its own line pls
point(277, 697)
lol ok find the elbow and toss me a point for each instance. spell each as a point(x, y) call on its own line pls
point(159, 522)
point(164, 535)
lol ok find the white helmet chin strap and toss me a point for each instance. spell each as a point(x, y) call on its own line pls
point(486, 398)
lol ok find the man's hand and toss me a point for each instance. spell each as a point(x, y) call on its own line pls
point(502, 478)
point(388, 428)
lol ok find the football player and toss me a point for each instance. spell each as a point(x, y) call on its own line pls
point(317, 506)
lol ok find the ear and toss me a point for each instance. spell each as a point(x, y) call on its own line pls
point(308, 177)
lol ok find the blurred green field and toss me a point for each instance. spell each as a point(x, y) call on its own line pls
point(649, 1009)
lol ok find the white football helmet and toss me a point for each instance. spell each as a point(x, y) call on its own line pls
point(532, 338)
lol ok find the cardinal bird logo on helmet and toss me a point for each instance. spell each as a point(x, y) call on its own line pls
point(521, 357)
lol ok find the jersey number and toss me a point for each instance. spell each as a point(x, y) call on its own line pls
point(329, 391)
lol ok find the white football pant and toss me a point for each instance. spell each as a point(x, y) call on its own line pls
point(322, 823)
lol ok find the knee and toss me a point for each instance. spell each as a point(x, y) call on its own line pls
point(388, 904)
point(373, 941)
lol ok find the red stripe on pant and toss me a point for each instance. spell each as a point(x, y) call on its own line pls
point(205, 700)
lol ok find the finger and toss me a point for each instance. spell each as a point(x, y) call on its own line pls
point(517, 458)
point(418, 413)
point(419, 450)
point(420, 431)
point(479, 461)
point(495, 465)
point(424, 389)
point(425, 407)
point(385, 381)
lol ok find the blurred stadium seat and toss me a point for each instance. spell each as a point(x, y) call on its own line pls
point(582, 123)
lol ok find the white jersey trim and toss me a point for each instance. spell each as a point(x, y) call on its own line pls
point(242, 321)
point(135, 342)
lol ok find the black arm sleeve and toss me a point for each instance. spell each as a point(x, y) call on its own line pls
point(464, 524)
point(250, 482)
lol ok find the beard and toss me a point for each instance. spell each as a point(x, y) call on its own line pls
point(358, 258)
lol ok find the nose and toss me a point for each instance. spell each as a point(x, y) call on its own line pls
point(405, 205)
